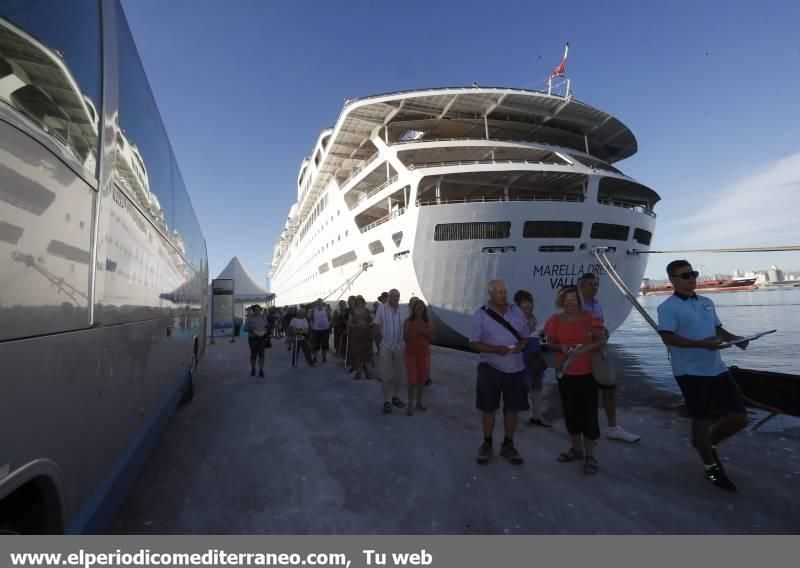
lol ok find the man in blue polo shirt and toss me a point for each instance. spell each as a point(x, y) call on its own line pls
point(689, 325)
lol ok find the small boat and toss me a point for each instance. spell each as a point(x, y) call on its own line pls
point(776, 390)
point(714, 285)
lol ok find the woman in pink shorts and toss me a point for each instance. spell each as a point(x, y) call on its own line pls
point(418, 335)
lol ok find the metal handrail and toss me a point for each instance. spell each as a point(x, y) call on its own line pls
point(383, 219)
point(349, 102)
point(513, 140)
point(359, 169)
point(480, 162)
point(628, 205)
point(375, 191)
point(484, 199)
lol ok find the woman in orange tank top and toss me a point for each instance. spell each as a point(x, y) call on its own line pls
point(565, 332)
point(418, 334)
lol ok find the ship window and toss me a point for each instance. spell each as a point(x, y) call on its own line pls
point(642, 237)
point(552, 229)
point(609, 231)
point(556, 248)
point(397, 238)
point(376, 247)
point(343, 259)
point(470, 231)
point(323, 268)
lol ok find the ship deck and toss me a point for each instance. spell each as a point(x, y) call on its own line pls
point(308, 451)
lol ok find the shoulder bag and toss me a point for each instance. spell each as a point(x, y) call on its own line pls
point(536, 361)
point(602, 369)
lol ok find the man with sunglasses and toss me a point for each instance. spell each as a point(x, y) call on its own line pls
point(689, 326)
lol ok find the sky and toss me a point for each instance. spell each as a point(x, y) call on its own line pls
point(710, 89)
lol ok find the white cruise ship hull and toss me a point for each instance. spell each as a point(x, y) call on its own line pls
point(424, 220)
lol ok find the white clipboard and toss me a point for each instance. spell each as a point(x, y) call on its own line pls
point(746, 339)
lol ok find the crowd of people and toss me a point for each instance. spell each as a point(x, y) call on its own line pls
point(394, 339)
point(386, 338)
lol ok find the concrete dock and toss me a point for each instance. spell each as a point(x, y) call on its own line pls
point(309, 451)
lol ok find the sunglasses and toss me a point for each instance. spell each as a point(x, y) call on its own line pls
point(688, 275)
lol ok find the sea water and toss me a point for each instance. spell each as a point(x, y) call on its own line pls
point(742, 313)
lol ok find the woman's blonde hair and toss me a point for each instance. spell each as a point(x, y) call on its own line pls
point(563, 292)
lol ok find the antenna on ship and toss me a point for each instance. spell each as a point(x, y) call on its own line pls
point(559, 72)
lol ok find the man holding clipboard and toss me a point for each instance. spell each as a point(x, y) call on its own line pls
point(689, 325)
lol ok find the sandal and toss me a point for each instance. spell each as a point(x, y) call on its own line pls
point(539, 422)
point(570, 455)
point(590, 466)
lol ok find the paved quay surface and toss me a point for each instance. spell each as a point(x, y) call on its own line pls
point(309, 451)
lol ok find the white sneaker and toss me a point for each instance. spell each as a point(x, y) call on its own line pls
point(619, 433)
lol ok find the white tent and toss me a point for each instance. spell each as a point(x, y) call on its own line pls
point(246, 290)
point(245, 287)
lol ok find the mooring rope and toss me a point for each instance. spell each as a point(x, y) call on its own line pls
point(347, 283)
point(789, 248)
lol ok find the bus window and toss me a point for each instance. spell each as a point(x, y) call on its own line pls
point(49, 103)
point(50, 74)
point(142, 165)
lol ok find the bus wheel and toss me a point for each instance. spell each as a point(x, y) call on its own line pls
point(188, 394)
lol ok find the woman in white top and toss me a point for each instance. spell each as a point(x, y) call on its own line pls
point(320, 316)
point(299, 327)
point(257, 329)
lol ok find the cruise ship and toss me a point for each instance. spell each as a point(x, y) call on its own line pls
point(436, 192)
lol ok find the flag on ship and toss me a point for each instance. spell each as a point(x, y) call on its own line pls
point(562, 67)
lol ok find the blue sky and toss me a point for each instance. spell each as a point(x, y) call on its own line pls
point(710, 89)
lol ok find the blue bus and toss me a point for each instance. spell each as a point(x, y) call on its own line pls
point(103, 270)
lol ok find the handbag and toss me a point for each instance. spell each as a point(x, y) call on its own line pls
point(602, 369)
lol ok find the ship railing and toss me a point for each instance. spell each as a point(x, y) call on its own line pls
point(560, 149)
point(375, 191)
point(349, 102)
point(551, 147)
point(467, 139)
point(491, 199)
point(394, 214)
point(359, 169)
point(641, 208)
point(481, 162)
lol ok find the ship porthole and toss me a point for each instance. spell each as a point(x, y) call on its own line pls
point(583, 246)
